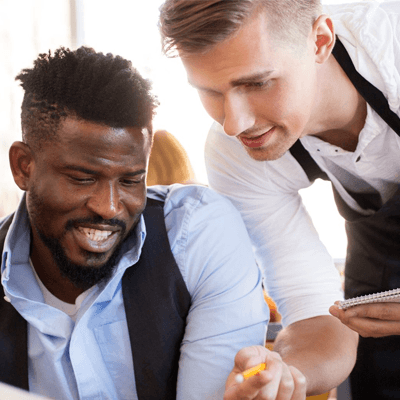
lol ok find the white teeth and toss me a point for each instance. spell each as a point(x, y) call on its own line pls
point(95, 234)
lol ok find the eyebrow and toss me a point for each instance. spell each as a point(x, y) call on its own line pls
point(259, 76)
point(251, 78)
point(91, 172)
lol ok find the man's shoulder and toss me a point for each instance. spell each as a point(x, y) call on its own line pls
point(185, 198)
point(359, 15)
point(6, 221)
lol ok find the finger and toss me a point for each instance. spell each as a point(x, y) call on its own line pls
point(276, 373)
point(262, 386)
point(248, 389)
point(368, 327)
point(300, 384)
point(246, 358)
point(337, 312)
point(291, 386)
point(384, 311)
point(250, 356)
point(286, 385)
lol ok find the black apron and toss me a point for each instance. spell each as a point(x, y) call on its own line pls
point(156, 303)
point(373, 254)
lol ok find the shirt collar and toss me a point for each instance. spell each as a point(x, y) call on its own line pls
point(16, 259)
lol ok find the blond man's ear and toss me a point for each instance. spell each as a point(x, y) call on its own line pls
point(323, 36)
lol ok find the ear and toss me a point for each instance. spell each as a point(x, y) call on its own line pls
point(21, 163)
point(323, 36)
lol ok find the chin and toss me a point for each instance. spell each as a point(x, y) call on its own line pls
point(91, 260)
point(96, 268)
point(264, 154)
point(271, 151)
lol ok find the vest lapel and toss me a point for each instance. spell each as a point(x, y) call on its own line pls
point(13, 337)
point(156, 304)
point(13, 347)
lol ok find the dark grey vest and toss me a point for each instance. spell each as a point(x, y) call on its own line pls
point(156, 304)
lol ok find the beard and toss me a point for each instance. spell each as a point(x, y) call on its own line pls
point(82, 276)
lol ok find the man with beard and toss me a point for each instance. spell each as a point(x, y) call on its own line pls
point(112, 290)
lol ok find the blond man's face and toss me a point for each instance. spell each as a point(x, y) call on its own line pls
point(260, 90)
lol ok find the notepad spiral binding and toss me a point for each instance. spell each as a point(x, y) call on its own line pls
point(388, 296)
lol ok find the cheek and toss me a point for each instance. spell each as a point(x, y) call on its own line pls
point(276, 103)
point(58, 198)
point(50, 204)
point(290, 103)
point(43, 212)
point(135, 202)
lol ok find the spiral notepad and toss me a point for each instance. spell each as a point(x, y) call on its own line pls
point(388, 296)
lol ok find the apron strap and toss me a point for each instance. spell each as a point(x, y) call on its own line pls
point(373, 96)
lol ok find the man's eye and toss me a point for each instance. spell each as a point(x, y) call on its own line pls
point(131, 182)
point(258, 85)
point(81, 180)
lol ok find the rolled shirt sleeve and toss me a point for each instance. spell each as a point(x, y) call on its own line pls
point(299, 272)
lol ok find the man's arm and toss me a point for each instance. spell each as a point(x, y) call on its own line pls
point(300, 274)
point(228, 312)
point(310, 357)
point(322, 348)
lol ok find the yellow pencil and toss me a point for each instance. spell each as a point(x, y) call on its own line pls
point(250, 372)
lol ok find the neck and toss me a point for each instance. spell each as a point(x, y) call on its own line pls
point(341, 111)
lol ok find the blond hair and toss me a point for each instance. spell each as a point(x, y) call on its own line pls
point(168, 161)
point(195, 26)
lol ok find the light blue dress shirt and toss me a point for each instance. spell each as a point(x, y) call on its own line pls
point(91, 358)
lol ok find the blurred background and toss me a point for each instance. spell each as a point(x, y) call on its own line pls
point(128, 28)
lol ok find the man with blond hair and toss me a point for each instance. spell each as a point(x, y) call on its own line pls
point(298, 94)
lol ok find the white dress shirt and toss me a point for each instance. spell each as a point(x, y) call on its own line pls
point(300, 273)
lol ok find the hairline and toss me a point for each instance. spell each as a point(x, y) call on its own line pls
point(38, 144)
point(292, 37)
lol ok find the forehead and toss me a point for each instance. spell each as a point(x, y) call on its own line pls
point(75, 132)
point(252, 47)
point(78, 139)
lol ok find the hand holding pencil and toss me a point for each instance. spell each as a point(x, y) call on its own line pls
point(261, 374)
point(250, 372)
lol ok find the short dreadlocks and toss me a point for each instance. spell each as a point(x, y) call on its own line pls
point(96, 87)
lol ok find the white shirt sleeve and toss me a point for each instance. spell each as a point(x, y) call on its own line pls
point(300, 274)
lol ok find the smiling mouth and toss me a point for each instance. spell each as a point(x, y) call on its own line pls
point(96, 240)
point(95, 234)
point(257, 141)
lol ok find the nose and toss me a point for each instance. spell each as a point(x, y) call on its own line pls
point(105, 201)
point(238, 115)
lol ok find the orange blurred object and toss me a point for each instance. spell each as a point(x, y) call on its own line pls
point(273, 310)
point(169, 162)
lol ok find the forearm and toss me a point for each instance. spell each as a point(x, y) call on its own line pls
point(322, 348)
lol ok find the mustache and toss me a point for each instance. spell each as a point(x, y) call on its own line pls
point(255, 130)
point(97, 220)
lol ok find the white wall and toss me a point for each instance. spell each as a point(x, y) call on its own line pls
point(128, 28)
point(27, 28)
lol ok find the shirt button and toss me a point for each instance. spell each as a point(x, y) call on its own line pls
point(7, 299)
point(358, 158)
